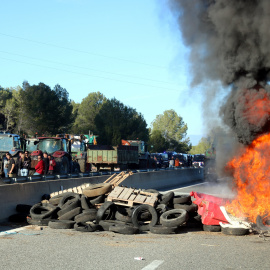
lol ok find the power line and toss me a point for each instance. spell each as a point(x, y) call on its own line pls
point(112, 73)
point(95, 76)
point(81, 51)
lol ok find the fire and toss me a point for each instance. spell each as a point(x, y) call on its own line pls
point(251, 172)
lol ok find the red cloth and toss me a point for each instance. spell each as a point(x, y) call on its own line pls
point(52, 164)
point(40, 167)
point(209, 208)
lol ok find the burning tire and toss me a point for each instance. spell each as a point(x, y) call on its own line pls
point(174, 218)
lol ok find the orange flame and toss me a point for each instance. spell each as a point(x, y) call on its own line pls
point(251, 172)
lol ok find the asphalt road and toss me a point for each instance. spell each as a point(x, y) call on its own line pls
point(30, 248)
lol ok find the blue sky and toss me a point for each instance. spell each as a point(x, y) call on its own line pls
point(130, 50)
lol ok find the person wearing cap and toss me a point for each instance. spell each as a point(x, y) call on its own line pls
point(46, 162)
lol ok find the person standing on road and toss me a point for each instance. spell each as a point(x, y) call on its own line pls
point(171, 164)
point(177, 163)
point(17, 168)
point(24, 164)
point(6, 162)
point(46, 162)
point(11, 165)
point(40, 166)
point(52, 164)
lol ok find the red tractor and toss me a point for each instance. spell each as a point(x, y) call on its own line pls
point(60, 149)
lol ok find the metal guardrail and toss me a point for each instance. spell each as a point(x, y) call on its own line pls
point(37, 178)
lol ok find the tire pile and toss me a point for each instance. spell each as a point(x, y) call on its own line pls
point(89, 212)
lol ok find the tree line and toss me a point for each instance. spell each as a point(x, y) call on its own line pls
point(32, 109)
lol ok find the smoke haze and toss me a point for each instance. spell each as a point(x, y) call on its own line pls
point(229, 42)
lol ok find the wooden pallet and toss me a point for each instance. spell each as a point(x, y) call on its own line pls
point(116, 179)
point(131, 196)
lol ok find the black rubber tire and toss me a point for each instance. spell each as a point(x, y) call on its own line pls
point(159, 229)
point(174, 218)
point(161, 208)
point(234, 231)
point(18, 218)
point(143, 226)
point(87, 215)
point(94, 190)
point(68, 197)
point(122, 217)
point(167, 198)
point(55, 200)
point(39, 222)
point(85, 203)
point(68, 207)
point(98, 199)
point(211, 228)
point(61, 224)
point(86, 227)
point(104, 209)
point(124, 229)
point(181, 199)
point(23, 208)
point(189, 208)
point(38, 211)
point(71, 214)
point(105, 224)
point(260, 225)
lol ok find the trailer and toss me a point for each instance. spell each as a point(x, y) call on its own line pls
point(107, 157)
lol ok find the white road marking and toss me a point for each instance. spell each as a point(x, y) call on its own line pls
point(153, 265)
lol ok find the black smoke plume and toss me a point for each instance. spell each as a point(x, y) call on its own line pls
point(229, 42)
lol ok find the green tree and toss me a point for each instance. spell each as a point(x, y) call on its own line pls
point(116, 121)
point(174, 131)
point(5, 94)
point(44, 110)
point(86, 112)
point(202, 146)
point(157, 142)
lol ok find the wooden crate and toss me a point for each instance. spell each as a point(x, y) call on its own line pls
point(131, 197)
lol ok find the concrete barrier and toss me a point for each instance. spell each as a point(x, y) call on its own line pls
point(162, 180)
point(31, 193)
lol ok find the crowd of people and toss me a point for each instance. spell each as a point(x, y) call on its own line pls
point(22, 165)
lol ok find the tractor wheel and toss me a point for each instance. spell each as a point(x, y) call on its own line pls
point(62, 165)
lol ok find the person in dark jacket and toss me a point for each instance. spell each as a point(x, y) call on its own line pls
point(46, 162)
point(11, 165)
point(24, 164)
